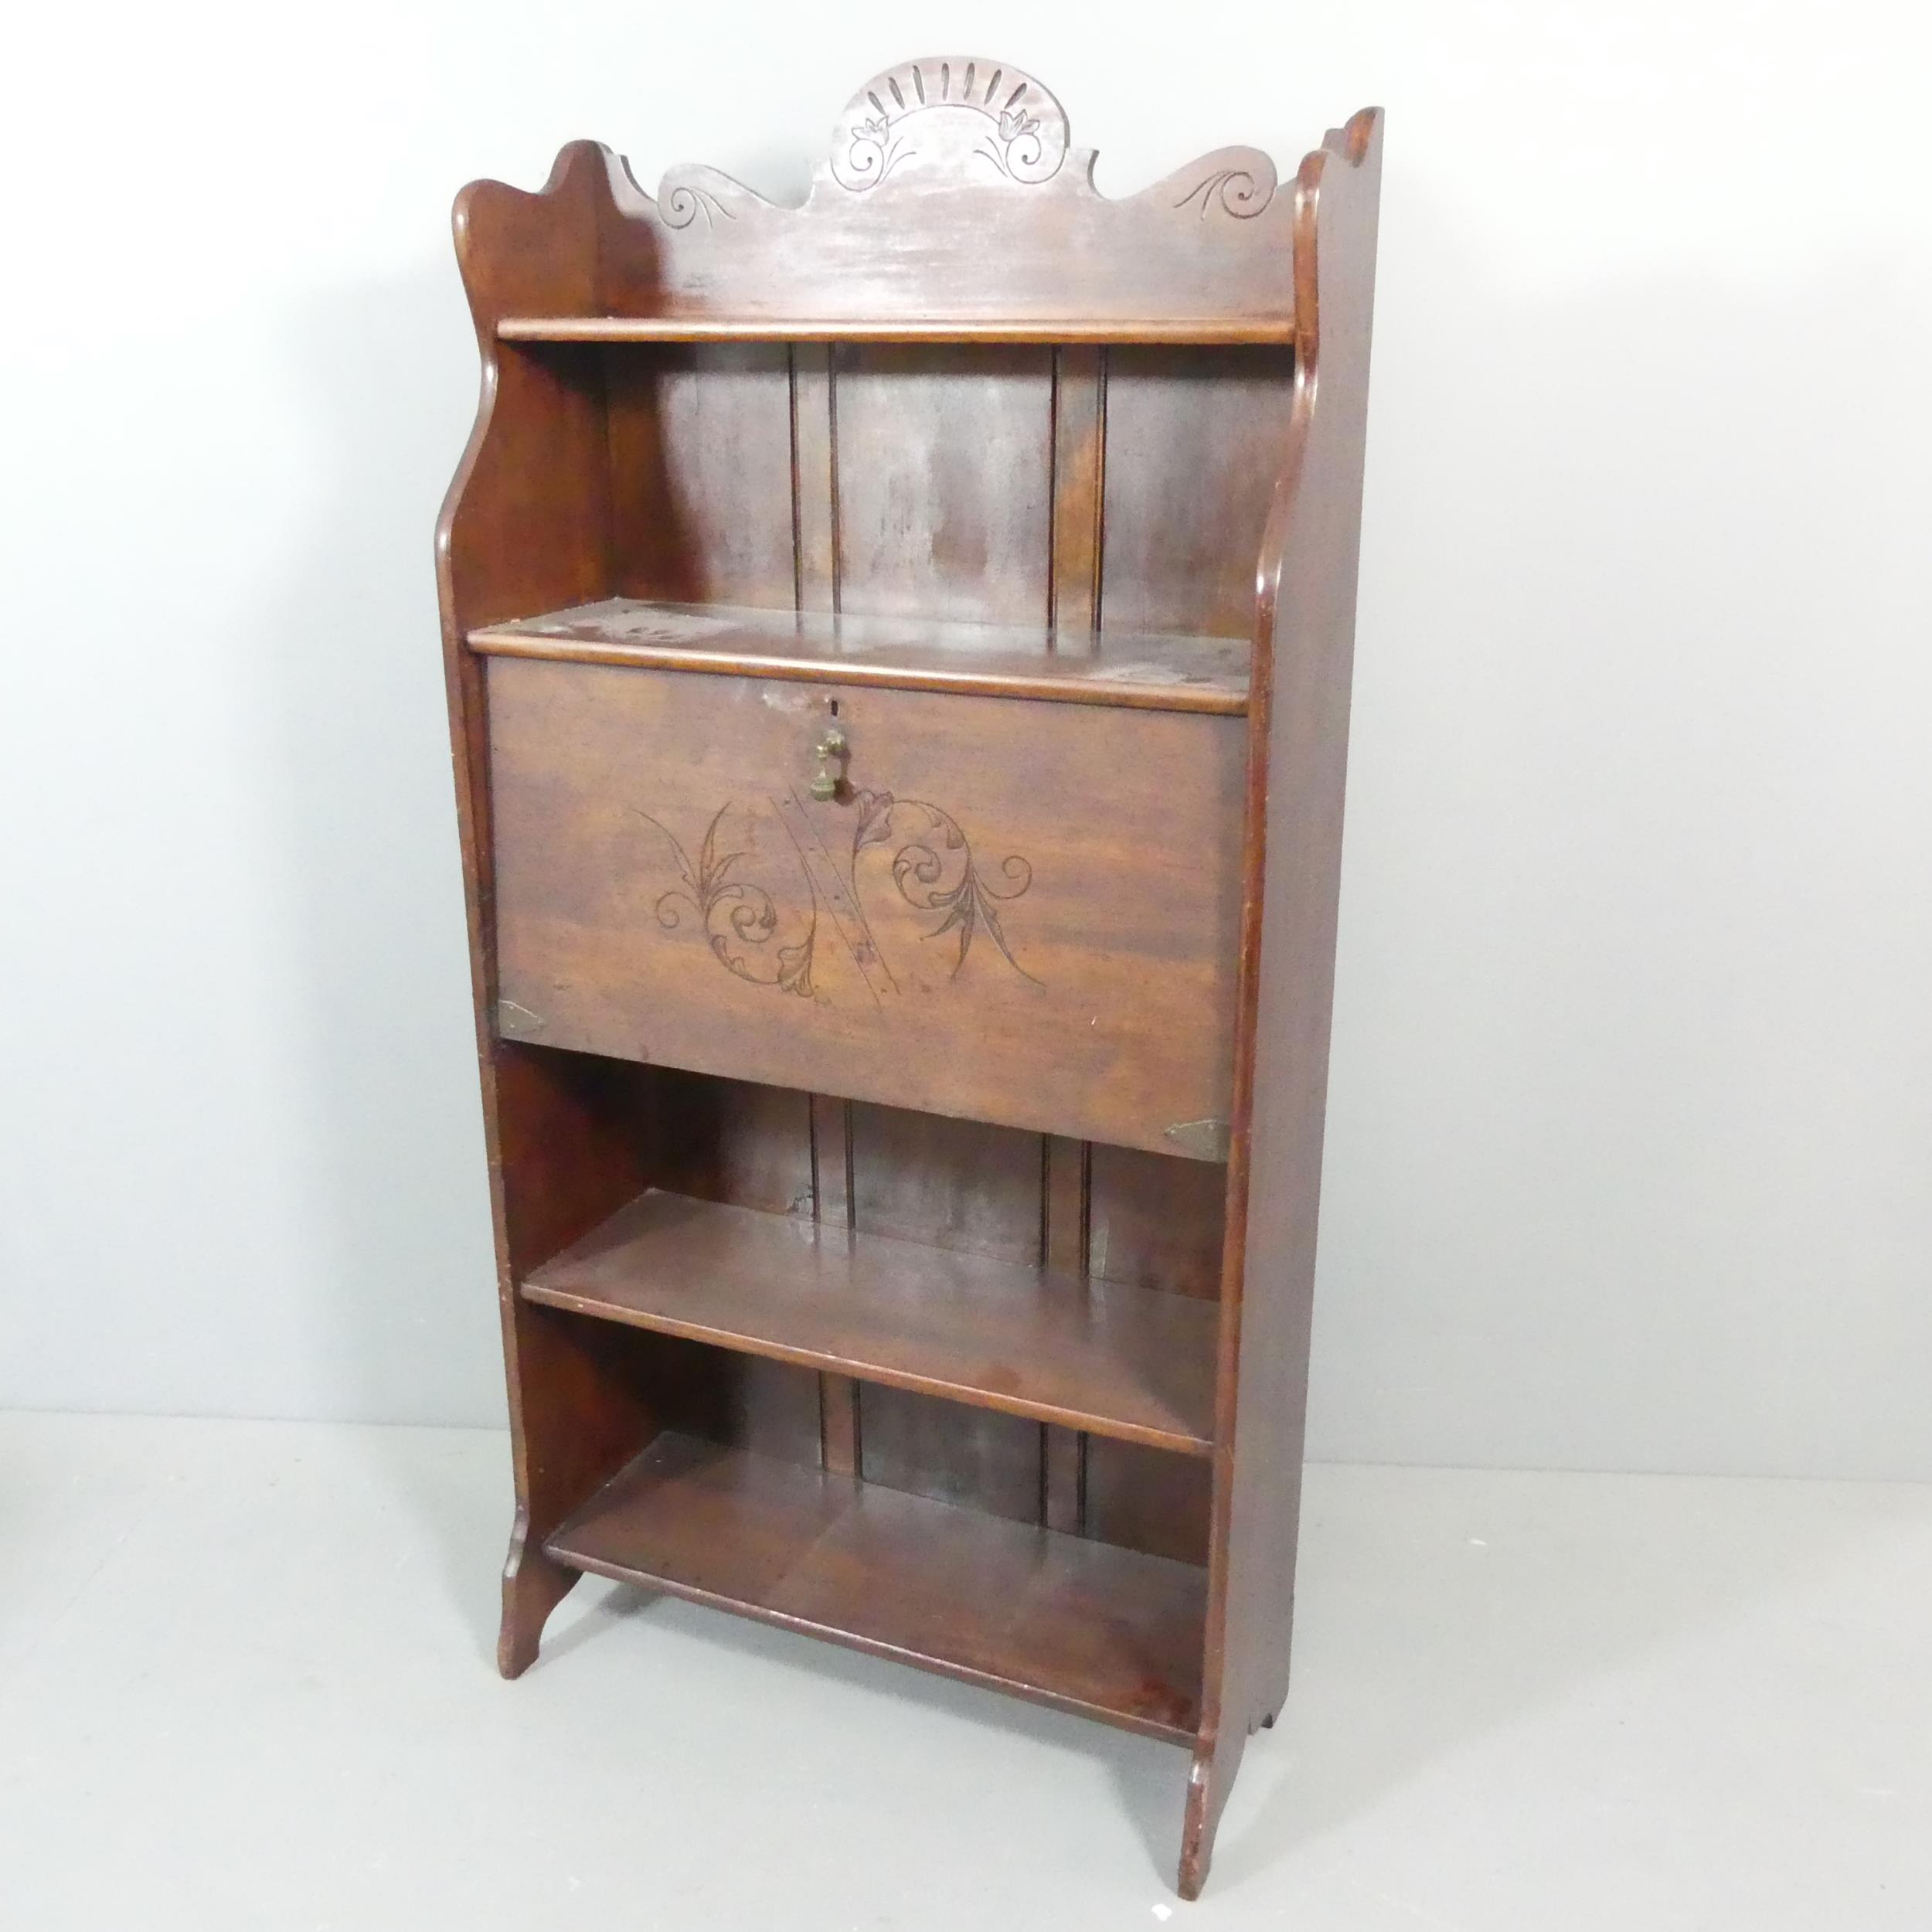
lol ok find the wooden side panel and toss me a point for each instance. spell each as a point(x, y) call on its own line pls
point(1300, 728)
point(527, 519)
point(700, 461)
point(1195, 439)
point(565, 1156)
point(944, 478)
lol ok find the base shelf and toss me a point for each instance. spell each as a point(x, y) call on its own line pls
point(1084, 1626)
point(1118, 1361)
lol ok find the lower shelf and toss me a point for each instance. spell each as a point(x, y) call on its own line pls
point(1085, 1626)
point(1120, 1361)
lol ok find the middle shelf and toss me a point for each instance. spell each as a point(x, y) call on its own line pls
point(1133, 1363)
point(1143, 670)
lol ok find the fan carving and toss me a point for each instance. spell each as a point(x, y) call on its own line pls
point(983, 117)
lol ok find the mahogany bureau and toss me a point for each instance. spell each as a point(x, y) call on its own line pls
point(898, 659)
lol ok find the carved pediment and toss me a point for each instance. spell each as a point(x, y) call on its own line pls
point(957, 124)
point(950, 188)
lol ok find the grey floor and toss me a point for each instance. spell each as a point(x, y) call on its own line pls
point(245, 1682)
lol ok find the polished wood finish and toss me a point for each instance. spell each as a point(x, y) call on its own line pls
point(1123, 1360)
point(1212, 330)
point(904, 1156)
point(951, 189)
point(1018, 913)
point(1085, 1626)
point(1188, 434)
point(1304, 654)
point(1143, 670)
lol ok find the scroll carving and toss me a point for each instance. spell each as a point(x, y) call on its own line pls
point(685, 194)
point(933, 871)
point(739, 917)
point(1242, 186)
point(928, 877)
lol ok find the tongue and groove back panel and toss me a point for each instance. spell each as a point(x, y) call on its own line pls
point(1000, 484)
point(1011, 484)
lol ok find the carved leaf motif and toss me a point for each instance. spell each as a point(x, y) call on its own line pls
point(794, 969)
point(738, 918)
point(872, 807)
point(933, 870)
point(931, 867)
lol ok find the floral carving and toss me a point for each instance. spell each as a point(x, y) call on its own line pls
point(1016, 145)
point(981, 110)
point(739, 918)
point(933, 870)
point(874, 152)
point(927, 857)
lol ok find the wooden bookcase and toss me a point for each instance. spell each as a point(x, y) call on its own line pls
point(899, 658)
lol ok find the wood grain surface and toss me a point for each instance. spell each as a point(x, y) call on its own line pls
point(1127, 1362)
point(1143, 670)
point(1046, 503)
point(1107, 1632)
point(1013, 913)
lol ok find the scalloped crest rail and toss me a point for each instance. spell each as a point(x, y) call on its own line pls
point(899, 657)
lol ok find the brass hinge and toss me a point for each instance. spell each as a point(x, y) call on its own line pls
point(516, 1022)
point(1201, 1140)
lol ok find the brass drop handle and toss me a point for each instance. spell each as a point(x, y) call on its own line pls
point(832, 746)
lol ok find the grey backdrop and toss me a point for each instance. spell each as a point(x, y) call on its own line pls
point(1630, 1129)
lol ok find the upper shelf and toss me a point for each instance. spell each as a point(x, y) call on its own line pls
point(1145, 670)
point(952, 205)
point(1209, 331)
